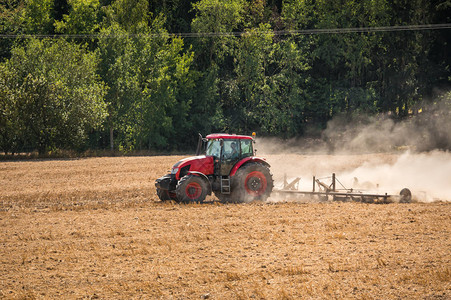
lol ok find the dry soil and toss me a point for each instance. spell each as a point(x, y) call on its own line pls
point(94, 229)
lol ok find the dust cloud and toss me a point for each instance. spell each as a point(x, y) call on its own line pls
point(425, 130)
point(427, 175)
point(373, 154)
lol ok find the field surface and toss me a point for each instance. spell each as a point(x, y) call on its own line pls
point(94, 229)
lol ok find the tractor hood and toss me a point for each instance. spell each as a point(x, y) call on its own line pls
point(203, 164)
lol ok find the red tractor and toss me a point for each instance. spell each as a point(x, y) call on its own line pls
point(227, 167)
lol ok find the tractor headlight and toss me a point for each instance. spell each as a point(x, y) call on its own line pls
point(174, 171)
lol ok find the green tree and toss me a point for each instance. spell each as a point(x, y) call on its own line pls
point(82, 18)
point(38, 16)
point(53, 88)
point(132, 15)
point(271, 79)
point(178, 13)
point(161, 87)
point(217, 17)
point(401, 57)
point(149, 80)
point(214, 55)
point(10, 24)
point(342, 76)
point(10, 123)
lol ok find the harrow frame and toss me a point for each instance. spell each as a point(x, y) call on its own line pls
point(325, 192)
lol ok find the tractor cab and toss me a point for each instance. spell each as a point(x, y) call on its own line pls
point(227, 150)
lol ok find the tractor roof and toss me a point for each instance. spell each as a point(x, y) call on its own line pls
point(226, 136)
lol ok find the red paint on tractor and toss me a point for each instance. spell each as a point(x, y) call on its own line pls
point(255, 183)
point(245, 160)
point(203, 164)
point(225, 136)
point(193, 190)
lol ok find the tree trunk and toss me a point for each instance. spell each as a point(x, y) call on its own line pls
point(111, 139)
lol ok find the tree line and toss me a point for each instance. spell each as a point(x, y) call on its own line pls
point(150, 75)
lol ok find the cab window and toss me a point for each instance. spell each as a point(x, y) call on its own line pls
point(231, 149)
point(246, 148)
point(213, 148)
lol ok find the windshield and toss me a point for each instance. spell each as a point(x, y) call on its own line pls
point(246, 148)
point(213, 148)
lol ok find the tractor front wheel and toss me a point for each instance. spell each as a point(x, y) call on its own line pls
point(191, 188)
point(165, 195)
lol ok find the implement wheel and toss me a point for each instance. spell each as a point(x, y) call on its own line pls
point(191, 188)
point(405, 196)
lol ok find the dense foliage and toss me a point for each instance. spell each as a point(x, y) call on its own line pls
point(101, 74)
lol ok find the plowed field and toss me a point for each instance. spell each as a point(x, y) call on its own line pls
point(94, 228)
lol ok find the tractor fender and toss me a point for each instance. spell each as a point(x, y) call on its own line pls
point(204, 177)
point(247, 160)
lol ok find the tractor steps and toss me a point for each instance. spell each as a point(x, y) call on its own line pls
point(225, 185)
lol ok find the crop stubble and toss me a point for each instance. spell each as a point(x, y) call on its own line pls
point(93, 228)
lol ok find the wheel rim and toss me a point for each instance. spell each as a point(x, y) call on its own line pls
point(255, 183)
point(193, 190)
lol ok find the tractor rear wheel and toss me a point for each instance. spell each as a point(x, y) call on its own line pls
point(252, 181)
point(224, 198)
point(191, 188)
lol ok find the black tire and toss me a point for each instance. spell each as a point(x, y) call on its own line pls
point(405, 196)
point(165, 195)
point(253, 181)
point(191, 188)
point(223, 198)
